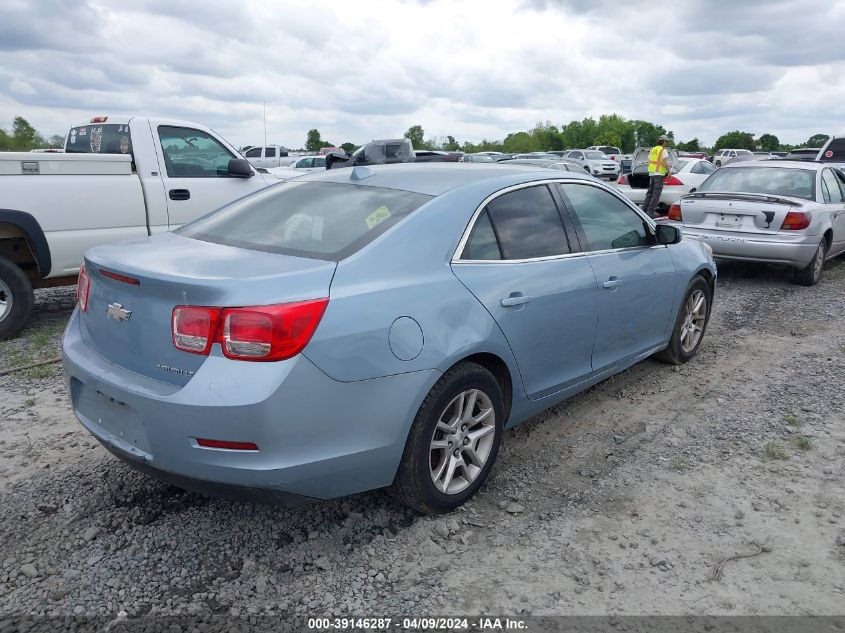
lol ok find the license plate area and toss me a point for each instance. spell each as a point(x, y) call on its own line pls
point(728, 221)
point(114, 418)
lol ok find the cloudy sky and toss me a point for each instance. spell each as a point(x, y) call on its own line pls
point(473, 69)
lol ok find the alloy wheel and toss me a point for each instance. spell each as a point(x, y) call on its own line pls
point(692, 329)
point(5, 300)
point(819, 263)
point(462, 441)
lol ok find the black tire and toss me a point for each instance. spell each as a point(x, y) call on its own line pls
point(413, 483)
point(16, 289)
point(675, 353)
point(812, 273)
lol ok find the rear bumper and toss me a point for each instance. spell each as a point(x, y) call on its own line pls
point(637, 195)
point(317, 437)
point(791, 250)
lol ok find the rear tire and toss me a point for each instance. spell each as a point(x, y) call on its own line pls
point(812, 273)
point(690, 323)
point(453, 441)
point(16, 299)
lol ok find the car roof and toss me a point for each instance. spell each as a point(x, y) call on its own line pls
point(433, 179)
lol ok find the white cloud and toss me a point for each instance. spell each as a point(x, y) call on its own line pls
point(20, 87)
point(360, 70)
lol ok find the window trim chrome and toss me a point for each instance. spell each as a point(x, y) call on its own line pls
point(456, 256)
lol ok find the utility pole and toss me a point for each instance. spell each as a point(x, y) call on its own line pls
point(265, 124)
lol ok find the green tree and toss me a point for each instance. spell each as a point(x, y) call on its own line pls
point(313, 141)
point(451, 145)
point(608, 138)
point(518, 142)
point(817, 140)
point(693, 145)
point(416, 135)
point(769, 142)
point(736, 140)
point(5, 141)
point(349, 147)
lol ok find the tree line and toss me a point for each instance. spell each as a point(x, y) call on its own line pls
point(23, 137)
point(609, 129)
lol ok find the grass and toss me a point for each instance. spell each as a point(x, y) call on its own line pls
point(792, 420)
point(41, 372)
point(679, 465)
point(773, 450)
point(30, 402)
point(804, 443)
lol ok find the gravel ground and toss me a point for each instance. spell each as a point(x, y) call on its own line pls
point(622, 500)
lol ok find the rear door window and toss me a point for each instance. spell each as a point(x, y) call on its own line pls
point(190, 153)
point(307, 219)
point(528, 224)
point(269, 152)
point(830, 187)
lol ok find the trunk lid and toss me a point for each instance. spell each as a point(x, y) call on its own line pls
point(172, 270)
point(742, 213)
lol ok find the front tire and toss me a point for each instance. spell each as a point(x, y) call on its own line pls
point(453, 441)
point(693, 316)
point(812, 273)
point(16, 299)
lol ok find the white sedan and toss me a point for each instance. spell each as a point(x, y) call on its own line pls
point(687, 176)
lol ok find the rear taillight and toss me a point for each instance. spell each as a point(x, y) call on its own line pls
point(258, 333)
point(194, 328)
point(795, 221)
point(83, 286)
point(671, 180)
point(674, 213)
point(623, 180)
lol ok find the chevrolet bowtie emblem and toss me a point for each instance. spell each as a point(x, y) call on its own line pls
point(117, 312)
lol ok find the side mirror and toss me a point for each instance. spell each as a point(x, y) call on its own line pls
point(240, 168)
point(667, 234)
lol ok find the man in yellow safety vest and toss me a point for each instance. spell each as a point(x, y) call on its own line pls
point(659, 167)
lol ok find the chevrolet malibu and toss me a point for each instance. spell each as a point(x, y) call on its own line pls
point(370, 327)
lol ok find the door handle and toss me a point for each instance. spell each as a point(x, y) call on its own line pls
point(179, 194)
point(515, 299)
point(612, 283)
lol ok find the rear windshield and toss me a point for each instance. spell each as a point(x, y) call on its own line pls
point(595, 156)
point(318, 220)
point(99, 139)
point(610, 150)
point(776, 181)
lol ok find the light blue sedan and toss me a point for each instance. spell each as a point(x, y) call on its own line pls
point(375, 326)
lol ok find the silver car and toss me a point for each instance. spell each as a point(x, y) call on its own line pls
point(594, 163)
point(784, 212)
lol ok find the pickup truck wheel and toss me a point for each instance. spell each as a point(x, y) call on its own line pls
point(812, 273)
point(16, 299)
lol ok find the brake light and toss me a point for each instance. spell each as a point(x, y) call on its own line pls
point(83, 287)
point(795, 221)
point(623, 180)
point(671, 180)
point(193, 328)
point(674, 213)
point(257, 333)
point(268, 333)
point(99, 119)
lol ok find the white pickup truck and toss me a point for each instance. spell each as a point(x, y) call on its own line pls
point(119, 178)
